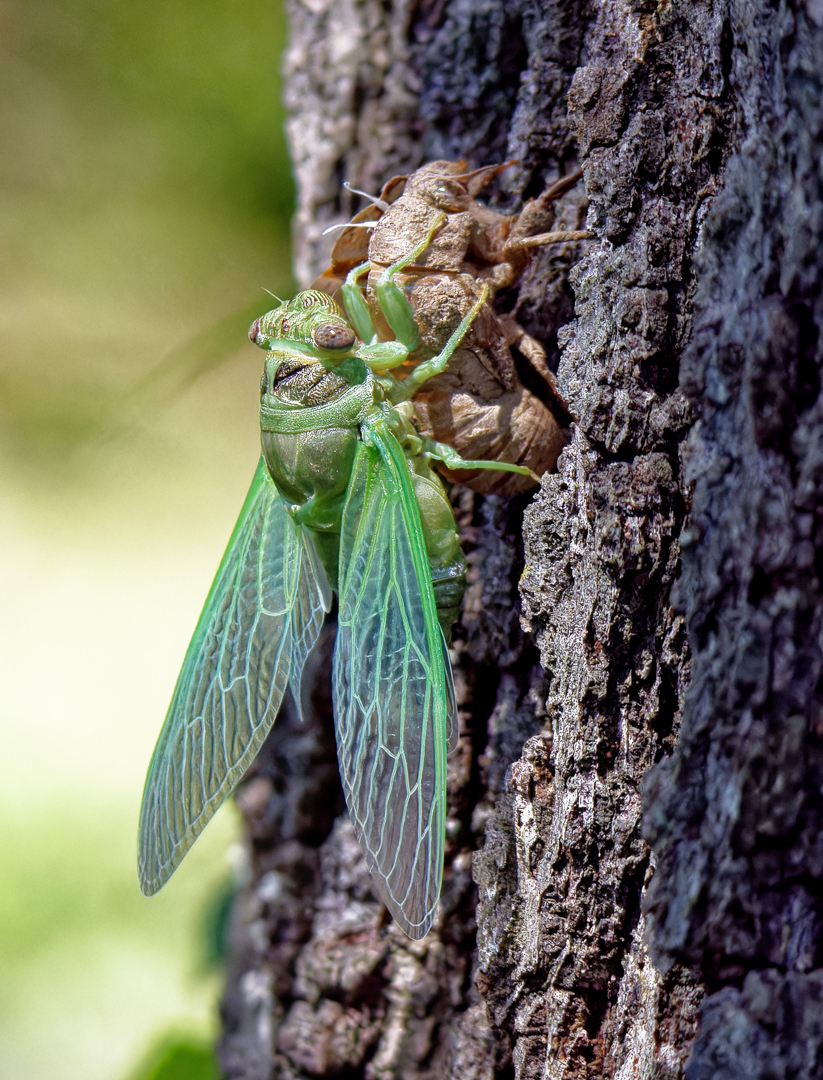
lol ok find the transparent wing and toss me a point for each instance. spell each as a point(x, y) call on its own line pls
point(452, 719)
point(312, 601)
point(392, 687)
point(262, 615)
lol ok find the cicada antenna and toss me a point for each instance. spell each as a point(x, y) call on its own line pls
point(349, 225)
point(381, 203)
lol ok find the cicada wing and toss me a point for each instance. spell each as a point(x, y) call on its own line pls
point(391, 687)
point(312, 602)
point(263, 612)
point(452, 718)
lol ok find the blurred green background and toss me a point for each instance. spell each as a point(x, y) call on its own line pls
point(146, 195)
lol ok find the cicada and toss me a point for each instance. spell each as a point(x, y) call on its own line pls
point(344, 500)
point(479, 405)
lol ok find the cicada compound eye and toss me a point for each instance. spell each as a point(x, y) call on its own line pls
point(254, 330)
point(333, 336)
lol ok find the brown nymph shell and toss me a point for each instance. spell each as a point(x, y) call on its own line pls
point(478, 405)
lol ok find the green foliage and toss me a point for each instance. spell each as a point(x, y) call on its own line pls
point(144, 200)
point(216, 919)
point(145, 195)
point(193, 87)
point(180, 1060)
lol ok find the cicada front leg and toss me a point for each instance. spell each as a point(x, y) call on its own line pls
point(438, 364)
point(356, 307)
point(398, 312)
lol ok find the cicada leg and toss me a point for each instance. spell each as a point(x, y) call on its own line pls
point(437, 365)
point(379, 356)
point(437, 451)
point(392, 300)
point(356, 307)
point(382, 356)
point(563, 236)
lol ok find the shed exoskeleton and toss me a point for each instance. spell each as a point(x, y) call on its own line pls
point(478, 404)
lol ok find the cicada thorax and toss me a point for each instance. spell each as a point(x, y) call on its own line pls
point(296, 380)
point(316, 464)
point(479, 405)
point(311, 463)
point(311, 466)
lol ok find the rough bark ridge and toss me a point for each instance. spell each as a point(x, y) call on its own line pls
point(561, 938)
point(560, 973)
point(736, 816)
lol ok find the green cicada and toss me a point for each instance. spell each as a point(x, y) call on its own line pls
point(344, 499)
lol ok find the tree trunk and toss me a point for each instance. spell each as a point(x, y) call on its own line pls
point(671, 575)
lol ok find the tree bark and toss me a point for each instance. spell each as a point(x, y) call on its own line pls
point(642, 801)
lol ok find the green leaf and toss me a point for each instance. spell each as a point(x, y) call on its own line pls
point(180, 1059)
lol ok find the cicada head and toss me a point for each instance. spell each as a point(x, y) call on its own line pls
point(312, 319)
point(310, 350)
